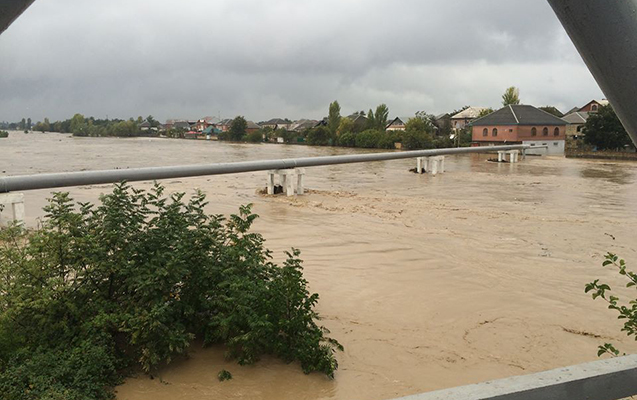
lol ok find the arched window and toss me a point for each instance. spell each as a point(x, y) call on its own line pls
point(494, 132)
point(556, 131)
point(545, 131)
point(485, 132)
point(594, 108)
point(533, 131)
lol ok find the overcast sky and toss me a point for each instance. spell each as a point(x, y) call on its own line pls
point(283, 58)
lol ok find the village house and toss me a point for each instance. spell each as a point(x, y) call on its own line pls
point(521, 124)
point(576, 121)
point(145, 126)
point(224, 124)
point(302, 124)
point(252, 127)
point(594, 105)
point(185, 125)
point(203, 123)
point(277, 123)
point(464, 117)
point(397, 124)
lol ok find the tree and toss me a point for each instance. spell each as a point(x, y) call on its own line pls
point(371, 120)
point(427, 119)
point(319, 136)
point(43, 126)
point(485, 112)
point(238, 128)
point(604, 130)
point(381, 116)
point(78, 125)
point(29, 123)
point(346, 126)
point(417, 134)
point(152, 121)
point(132, 281)
point(552, 110)
point(511, 96)
point(334, 117)
point(23, 124)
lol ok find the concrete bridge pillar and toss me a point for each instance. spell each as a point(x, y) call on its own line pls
point(291, 180)
point(422, 165)
point(300, 175)
point(13, 205)
point(431, 165)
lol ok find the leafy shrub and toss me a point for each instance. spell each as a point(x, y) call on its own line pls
point(368, 139)
point(389, 140)
point(4, 134)
point(627, 310)
point(413, 140)
point(347, 139)
point(319, 136)
point(131, 282)
point(254, 137)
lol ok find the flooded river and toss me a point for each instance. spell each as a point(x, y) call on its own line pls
point(428, 282)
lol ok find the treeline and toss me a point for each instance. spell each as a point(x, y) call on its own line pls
point(24, 125)
point(80, 125)
point(364, 130)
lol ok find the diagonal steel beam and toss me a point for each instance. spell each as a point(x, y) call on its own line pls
point(605, 34)
point(10, 10)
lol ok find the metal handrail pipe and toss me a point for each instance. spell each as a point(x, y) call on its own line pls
point(610, 379)
point(66, 179)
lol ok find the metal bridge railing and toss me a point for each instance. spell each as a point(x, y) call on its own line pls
point(65, 179)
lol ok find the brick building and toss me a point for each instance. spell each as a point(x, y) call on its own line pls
point(520, 124)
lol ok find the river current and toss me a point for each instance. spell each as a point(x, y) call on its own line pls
point(428, 281)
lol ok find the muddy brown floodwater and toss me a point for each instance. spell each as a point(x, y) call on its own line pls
point(428, 282)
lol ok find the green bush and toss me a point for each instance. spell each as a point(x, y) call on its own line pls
point(319, 136)
point(413, 140)
point(4, 134)
point(254, 137)
point(368, 139)
point(389, 140)
point(347, 139)
point(131, 282)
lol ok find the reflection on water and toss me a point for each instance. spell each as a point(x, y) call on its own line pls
point(429, 282)
point(613, 173)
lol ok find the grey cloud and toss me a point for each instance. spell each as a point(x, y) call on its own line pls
point(285, 58)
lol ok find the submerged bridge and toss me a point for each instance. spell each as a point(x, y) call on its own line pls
point(605, 34)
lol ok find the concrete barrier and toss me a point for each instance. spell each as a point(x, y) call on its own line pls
point(610, 379)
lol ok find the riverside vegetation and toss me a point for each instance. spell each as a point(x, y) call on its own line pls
point(101, 290)
point(626, 311)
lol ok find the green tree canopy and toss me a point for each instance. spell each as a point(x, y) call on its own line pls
point(238, 128)
point(334, 117)
point(485, 112)
point(131, 282)
point(604, 130)
point(381, 116)
point(152, 121)
point(346, 126)
point(319, 136)
point(552, 110)
point(511, 96)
